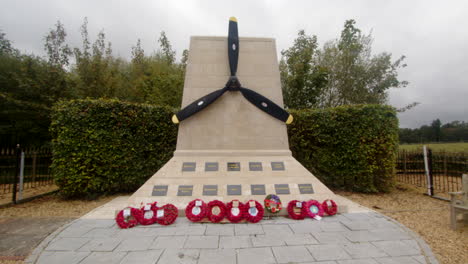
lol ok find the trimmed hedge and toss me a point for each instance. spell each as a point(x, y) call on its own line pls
point(350, 147)
point(107, 146)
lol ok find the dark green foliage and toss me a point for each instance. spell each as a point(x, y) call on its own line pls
point(108, 146)
point(348, 147)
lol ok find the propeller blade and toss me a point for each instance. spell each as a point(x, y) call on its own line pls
point(266, 105)
point(233, 45)
point(197, 105)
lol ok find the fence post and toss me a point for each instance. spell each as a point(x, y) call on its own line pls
point(15, 182)
point(34, 157)
point(21, 179)
point(431, 176)
point(428, 177)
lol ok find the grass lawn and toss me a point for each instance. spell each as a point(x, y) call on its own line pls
point(449, 147)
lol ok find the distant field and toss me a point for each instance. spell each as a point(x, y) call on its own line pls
point(451, 147)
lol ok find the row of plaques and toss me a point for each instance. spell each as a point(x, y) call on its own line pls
point(233, 189)
point(233, 166)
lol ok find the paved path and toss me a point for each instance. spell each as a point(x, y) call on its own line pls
point(345, 239)
point(20, 235)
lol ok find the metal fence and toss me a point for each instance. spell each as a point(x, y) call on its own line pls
point(32, 163)
point(443, 173)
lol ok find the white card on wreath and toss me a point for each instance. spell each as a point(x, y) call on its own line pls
point(299, 204)
point(147, 207)
point(126, 212)
point(318, 217)
point(198, 203)
point(252, 203)
point(160, 213)
point(235, 204)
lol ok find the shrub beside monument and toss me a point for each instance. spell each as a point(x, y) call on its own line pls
point(107, 146)
point(348, 147)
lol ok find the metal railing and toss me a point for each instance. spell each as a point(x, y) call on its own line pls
point(443, 173)
point(22, 169)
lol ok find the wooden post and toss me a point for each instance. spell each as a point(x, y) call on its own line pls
point(34, 164)
point(426, 169)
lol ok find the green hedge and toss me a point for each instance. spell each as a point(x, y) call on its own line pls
point(107, 146)
point(350, 147)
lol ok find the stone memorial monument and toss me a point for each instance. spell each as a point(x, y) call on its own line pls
point(228, 147)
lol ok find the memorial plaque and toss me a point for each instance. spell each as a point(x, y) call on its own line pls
point(211, 166)
point(257, 189)
point(234, 189)
point(188, 166)
point(277, 166)
point(185, 190)
point(282, 188)
point(159, 190)
point(209, 190)
point(233, 166)
point(255, 166)
point(305, 188)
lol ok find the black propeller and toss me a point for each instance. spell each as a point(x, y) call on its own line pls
point(233, 84)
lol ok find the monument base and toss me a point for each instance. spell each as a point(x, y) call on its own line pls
point(232, 175)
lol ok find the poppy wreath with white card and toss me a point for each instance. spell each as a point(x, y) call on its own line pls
point(128, 217)
point(216, 211)
point(296, 210)
point(314, 209)
point(329, 207)
point(235, 211)
point(196, 210)
point(254, 211)
point(147, 214)
point(167, 214)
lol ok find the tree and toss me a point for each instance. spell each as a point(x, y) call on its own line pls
point(167, 53)
point(355, 76)
point(437, 132)
point(302, 80)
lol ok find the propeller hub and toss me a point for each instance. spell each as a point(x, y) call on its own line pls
point(233, 84)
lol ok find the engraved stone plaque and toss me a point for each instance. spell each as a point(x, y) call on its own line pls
point(257, 189)
point(282, 188)
point(255, 166)
point(188, 166)
point(185, 190)
point(211, 166)
point(277, 166)
point(234, 189)
point(159, 190)
point(209, 190)
point(305, 188)
point(233, 166)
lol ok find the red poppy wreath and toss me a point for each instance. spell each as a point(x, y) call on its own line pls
point(235, 211)
point(147, 214)
point(254, 211)
point(216, 215)
point(166, 214)
point(196, 210)
point(329, 207)
point(128, 217)
point(313, 208)
point(293, 207)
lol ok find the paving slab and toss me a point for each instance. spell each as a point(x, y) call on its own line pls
point(352, 238)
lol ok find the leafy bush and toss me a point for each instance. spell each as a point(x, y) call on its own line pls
point(107, 146)
point(349, 147)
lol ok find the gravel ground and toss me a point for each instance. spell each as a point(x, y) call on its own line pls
point(428, 217)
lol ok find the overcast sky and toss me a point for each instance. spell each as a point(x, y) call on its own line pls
point(433, 35)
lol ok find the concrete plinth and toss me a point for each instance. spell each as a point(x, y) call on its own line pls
point(232, 130)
